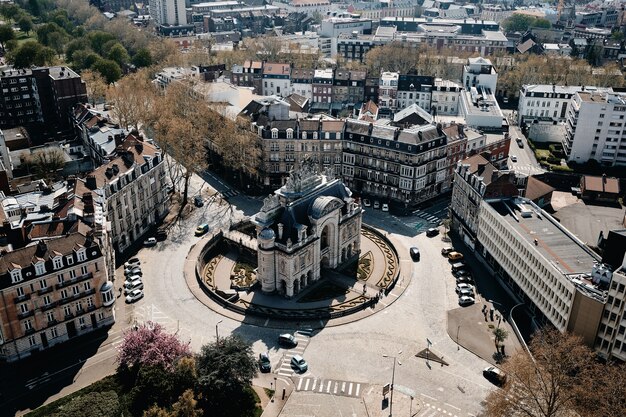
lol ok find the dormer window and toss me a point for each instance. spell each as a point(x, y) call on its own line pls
point(303, 135)
point(69, 260)
point(16, 275)
point(57, 262)
point(40, 268)
point(274, 133)
point(289, 133)
point(82, 256)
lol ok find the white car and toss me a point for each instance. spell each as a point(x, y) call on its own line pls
point(385, 207)
point(376, 205)
point(513, 158)
point(466, 293)
point(151, 241)
point(466, 301)
point(134, 295)
point(131, 279)
point(464, 286)
point(366, 203)
point(133, 270)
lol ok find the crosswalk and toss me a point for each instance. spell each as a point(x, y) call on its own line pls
point(436, 410)
point(328, 386)
point(284, 368)
point(423, 220)
point(230, 193)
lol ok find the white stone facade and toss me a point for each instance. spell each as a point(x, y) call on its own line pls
point(310, 223)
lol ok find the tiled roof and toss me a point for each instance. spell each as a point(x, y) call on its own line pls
point(601, 184)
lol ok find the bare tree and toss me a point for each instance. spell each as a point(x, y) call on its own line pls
point(549, 384)
point(96, 85)
point(132, 98)
point(46, 163)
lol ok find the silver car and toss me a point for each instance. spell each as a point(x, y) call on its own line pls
point(299, 363)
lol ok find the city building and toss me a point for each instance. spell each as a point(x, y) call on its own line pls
point(480, 72)
point(250, 74)
point(53, 291)
point(276, 79)
point(388, 89)
point(42, 97)
point(322, 84)
point(379, 10)
point(97, 134)
point(332, 27)
point(131, 189)
point(311, 222)
point(600, 189)
point(168, 12)
point(475, 180)
point(414, 89)
point(593, 129)
point(401, 166)
point(480, 109)
point(445, 98)
point(302, 82)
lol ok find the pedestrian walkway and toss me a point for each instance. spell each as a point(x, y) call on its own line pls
point(329, 386)
point(285, 368)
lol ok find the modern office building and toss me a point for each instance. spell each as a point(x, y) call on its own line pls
point(480, 72)
point(593, 129)
point(168, 12)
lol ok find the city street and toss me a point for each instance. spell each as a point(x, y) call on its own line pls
point(526, 162)
point(360, 353)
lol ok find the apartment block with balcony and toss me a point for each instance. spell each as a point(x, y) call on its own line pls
point(401, 166)
point(52, 291)
point(595, 128)
point(388, 89)
point(132, 189)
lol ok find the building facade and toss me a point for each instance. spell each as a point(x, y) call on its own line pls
point(309, 224)
point(388, 89)
point(323, 85)
point(52, 292)
point(276, 79)
point(414, 89)
point(168, 12)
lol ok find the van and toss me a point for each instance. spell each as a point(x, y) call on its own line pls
point(202, 229)
point(457, 266)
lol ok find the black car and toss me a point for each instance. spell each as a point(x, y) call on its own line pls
point(264, 362)
point(433, 231)
point(415, 254)
point(161, 235)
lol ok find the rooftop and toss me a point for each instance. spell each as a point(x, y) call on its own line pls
point(544, 234)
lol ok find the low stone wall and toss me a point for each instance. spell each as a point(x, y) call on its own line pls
point(392, 270)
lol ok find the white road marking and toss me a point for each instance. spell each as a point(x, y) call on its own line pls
point(299, 384)
point(336, 386)
point(350, 389)
point(266, 322)
point(314, 385)
point(328, 387)
point(343, 387)
point(321, 386)
point(358, 388)
point(306, 386)
point(450, 405)
point(428, 396)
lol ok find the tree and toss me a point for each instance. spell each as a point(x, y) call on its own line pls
point(98, 38)
point(6, 34)
point(110, 70)
point(31, 53)
point(57, 41)
point(9, 10)
point(25, 24)
point(133, 97)
point(96, 85)
point(46, 163)
point(76, 45)
point(518, 22)
point(143, 58)
point(118, 54)
point(225, 372)
point(186, 406)
point(150, 345)
point(550, 383)
point(499, 335)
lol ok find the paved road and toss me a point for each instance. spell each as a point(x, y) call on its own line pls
point(526, 162)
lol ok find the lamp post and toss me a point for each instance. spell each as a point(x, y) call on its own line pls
point(458, 328)
point(275, 388)
point(499, 315)
point(393, 379)
point(217, 334)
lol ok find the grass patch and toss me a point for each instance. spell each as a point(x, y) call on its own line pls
point(243, 274)
point(22, 37)
point(323, 291)
point(364, 268)
point(542, 154)
point(269, 392)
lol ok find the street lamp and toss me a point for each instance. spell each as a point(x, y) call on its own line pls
point(217, 334)
point(393, 379)
point(458, 328)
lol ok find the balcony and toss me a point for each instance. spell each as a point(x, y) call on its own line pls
point(51, 323)
point(69, 316)
point(44, 290)
point(21, 298)
point(25, 314)
point(74, 280)
point(47, 307)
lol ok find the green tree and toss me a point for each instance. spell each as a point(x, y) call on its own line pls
point(57, 42)
point(110, 70)
point(84, 59)
point(186, 406)
point(46, 164)
point(143, 58)
point(6, 34)
point(499, 336)
point(25, 23)
point(225, 372)
point(44, 32)
point(118, 54)
point(521, 23)
point(98, 38)
point(9, 10)
point(31, 53)
point(75, 45)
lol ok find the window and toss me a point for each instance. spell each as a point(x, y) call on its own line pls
point(32, 341)
point(81, 254)
point(101, 316)
point(28, 324)
point(87, 285)
point(20, 291)
point(79, 306)
point(60, 278)
point(76, 290)
point(40, 268)
point(67, 310)
point(24, 308)
point(63, 293)
point(69, 260)
point(89, 302)
point(50, 316)
point(43, 284)
point(16, 275)
point(81, 321)
point(83, 270)
point(54, 333)
point(46, 300)
point(57, 262)
point(274, 133)
point(72, 274)
point(289, 133)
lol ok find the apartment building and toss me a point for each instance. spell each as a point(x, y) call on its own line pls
point(548, 102)
point(276, 79)
point(53, 291)
point(131, 188)
point(402, 166)
point(250, 74)
point(168, 12)
point(480, 72)
point(388, 89)
point(322, 84)
point(475, 180)
point(594, 128)
point(302, 82)
point(40, 96)
point(446, 96)
point(414, 89)
point(97, 134)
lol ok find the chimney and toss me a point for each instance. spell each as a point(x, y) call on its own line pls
point(91, 182)
point(280, 230)
point(42, 248)
point(115, 168)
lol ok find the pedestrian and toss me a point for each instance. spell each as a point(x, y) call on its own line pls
point(364, 289)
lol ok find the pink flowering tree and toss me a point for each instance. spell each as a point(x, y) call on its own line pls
point(149, 345)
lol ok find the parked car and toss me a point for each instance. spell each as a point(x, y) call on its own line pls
point(134, 295)
point(161, 235)
point(519, 142)
point(198, 201)
point(466, 301)
point(432, 232)
point(133, 271)
point(366, 202)
point(264, 362)
point(151, 241)
point(299, 363)
point(132, 262)
point(376, 205)
point(462, 272)
point(464, 279)
point(513, 158)
point(385, 207)
point(495, 375)
point(130, 279)
point(445, 251)
point(463, 286)
point(457, 266)
point(133, 285)
point(455, 256)
point(202, 229)
point(466, 293)
point(415, 254)
point(287, 339)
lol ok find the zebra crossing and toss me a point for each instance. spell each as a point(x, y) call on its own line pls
point(328, 386)
point(434, 410)
point(423, 220)
point(284, 368)
point(229, 193)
